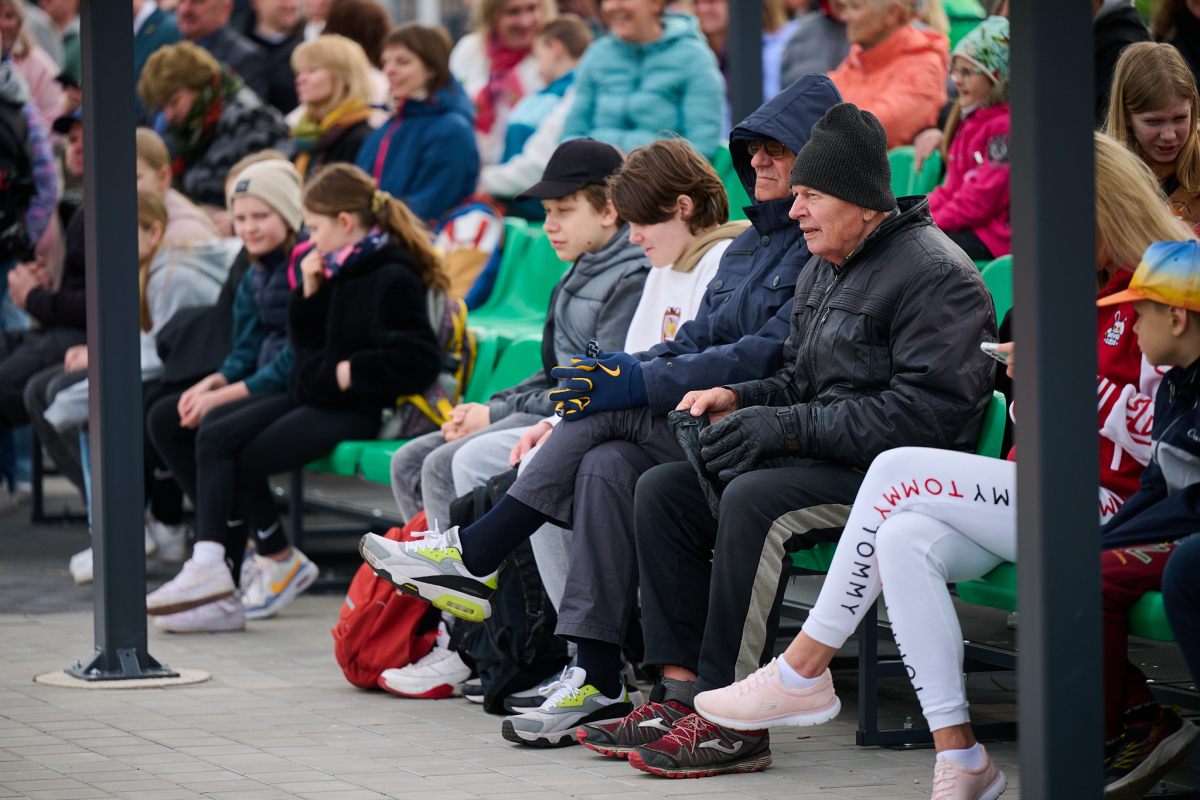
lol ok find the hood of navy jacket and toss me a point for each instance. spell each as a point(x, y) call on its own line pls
point(788, 118)
point(450, 99)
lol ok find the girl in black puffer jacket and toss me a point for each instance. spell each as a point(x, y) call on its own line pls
point(361, 334)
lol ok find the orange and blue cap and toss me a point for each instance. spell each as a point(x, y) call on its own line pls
point(1169, 274)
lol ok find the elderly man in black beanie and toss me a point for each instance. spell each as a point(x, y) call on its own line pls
point(883, 353)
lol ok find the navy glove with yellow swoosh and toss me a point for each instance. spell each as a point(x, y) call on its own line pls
point(598, 381)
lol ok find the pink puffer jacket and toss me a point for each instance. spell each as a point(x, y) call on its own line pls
point(975, 196)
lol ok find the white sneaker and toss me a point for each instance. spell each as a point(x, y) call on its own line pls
point(81, 563)
point(274, 584)
point(216, 617)
point(170, 540)
point(81, 567)
point(435, 676)
point(196, 585)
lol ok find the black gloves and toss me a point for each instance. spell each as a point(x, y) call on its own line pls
point(748, 437)
point(687, 430)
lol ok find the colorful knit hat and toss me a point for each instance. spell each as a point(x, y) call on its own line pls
point(987, 48)
point(1169, 274)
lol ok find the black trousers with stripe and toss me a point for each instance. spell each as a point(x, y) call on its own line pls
point(712, 589)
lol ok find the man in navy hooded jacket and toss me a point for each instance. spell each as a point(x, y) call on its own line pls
point(738, 334)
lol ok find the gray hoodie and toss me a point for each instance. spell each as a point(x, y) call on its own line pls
point(595, 299)
point(181, 276)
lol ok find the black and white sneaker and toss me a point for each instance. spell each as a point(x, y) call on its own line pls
point(473, 690)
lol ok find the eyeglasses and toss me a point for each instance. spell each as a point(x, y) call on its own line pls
point(774, 149)
point(965, 73)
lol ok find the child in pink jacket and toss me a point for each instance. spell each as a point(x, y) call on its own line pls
point(972, 206)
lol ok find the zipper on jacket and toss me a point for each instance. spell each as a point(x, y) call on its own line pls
point(824, 307)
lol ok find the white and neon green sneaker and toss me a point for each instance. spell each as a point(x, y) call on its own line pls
point(431, 567)
point(575, 702)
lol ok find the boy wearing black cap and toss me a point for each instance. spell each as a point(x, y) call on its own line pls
point(595, 299)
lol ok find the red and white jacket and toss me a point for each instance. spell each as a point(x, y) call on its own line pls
point(975, 196)
point(1125, 388)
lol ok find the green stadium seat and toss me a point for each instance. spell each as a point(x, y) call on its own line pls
point(488, 346)
point(964, 16)
point(1148, 619)
point(723, 164)
point(820, 557)
point(998, 277)
point(376, 459)
point(529, 270)
point(342, 460)
point(522, 358)
point(901, 161)
point(997, 589)
point(926, 179)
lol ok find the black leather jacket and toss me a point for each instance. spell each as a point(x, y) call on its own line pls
point(884, 349)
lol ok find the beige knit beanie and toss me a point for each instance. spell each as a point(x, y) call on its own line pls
point(276, 183)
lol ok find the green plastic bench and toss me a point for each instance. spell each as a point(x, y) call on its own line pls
point(522, 358)
point(991, 435)
point(964, 16)
point(901, 161)
point(529, 270)
point(723, 164)
point(998, 277)
point(926, 179)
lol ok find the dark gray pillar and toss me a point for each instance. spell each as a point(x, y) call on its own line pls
point(1054, 258)
point(744, 56)
point(114, 359)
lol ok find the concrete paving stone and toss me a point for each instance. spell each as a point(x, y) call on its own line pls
point(96, 776)
point(85, 793)
point(57, 782)
point(453, 794)
point(161, 794)
point(144, 749)
point(31, 773)
point(356, 793)
point(253, 794)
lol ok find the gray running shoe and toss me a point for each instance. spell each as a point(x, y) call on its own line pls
point(575, 702)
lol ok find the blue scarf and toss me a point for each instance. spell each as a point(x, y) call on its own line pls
point(375, 239)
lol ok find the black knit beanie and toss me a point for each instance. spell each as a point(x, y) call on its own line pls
point(847, 158)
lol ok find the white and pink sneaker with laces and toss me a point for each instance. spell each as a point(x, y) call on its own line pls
point(196, 585)
point(953, 781)
point(762, 701)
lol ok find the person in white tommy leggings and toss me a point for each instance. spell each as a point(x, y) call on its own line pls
point(926, 517)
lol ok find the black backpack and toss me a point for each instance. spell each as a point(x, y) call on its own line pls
point(515, 649)
point(16, 181)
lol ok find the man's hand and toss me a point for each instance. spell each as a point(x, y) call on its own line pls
point(76, 358)
point(532, 438)
point(598, 381)
point(343, 375)
point(466, 418)
point(924, 144)
point(717, 402)
point(745, 439)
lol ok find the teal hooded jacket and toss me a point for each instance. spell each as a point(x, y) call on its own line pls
point(632, 94)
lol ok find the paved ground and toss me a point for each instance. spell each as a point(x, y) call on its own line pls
point(279, 721)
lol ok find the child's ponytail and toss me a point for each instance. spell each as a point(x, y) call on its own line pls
point(342, 187)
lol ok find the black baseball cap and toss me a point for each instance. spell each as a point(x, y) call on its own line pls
point(63, 124)
point(574, 165)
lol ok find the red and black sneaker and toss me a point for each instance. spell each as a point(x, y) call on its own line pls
point(698, 748)
point(1149, 749)
point(648, 723)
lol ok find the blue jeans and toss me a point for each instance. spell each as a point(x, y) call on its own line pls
point(1181, 597)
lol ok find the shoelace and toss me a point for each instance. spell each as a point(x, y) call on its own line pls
point(554, 685)
point(943, 781)
point(755, 680)
point(688, 730)
point(428, 540)
point(565, 691)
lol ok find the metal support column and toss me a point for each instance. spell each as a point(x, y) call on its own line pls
point(1054, 246)
point(114, 361)
point(744, 55)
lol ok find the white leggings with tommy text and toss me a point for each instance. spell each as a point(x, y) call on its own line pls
point(922, 518)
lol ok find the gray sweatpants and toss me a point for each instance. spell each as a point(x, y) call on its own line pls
point(485, 456)
point(422, 475)
point(606, 453)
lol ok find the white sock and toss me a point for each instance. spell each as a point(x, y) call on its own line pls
point(792, 679)
point(210, 554)
point(971, 758)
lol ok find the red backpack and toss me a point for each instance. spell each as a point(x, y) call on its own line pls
point(380, 628)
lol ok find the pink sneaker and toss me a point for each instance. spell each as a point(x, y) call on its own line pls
point(196, 585)
point(953, 781)
point(762, 701)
